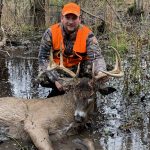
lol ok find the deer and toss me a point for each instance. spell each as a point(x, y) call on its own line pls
point(45, 120)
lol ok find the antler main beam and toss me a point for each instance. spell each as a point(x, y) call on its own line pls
point(116, 72)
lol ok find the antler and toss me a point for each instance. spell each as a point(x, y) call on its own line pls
point(53, 65)
point(116, 72)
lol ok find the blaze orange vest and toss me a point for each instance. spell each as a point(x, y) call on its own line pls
point(79, 46)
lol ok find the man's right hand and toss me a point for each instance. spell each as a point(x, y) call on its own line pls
point(49, 79)
point(41, 77)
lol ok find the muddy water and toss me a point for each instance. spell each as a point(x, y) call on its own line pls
point(122, 122)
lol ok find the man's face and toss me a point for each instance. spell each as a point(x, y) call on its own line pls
point(70, 22)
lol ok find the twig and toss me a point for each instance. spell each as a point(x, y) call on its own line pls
point(115, 13)
point(22, 57)
point(92, 14)
point(98, 17)
point(17, 142)
point(5, 52)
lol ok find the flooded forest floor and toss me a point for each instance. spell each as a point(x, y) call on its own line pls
point(123, 119)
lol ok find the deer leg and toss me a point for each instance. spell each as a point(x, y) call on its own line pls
point(85, 143)
point(39, 136)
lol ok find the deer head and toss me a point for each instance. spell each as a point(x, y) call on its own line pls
point(84, 90)
point(84, 97)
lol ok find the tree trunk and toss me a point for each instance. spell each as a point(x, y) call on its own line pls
point(47, 12)
point(139, 5)
point(39, 14)
point(1, 7)
point(137, 9)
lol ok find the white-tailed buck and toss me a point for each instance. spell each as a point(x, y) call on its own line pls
point(44, 120)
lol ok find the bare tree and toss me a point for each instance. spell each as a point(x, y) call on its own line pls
point(139, 5)
point(38, 10)
point(137, 8)
point(3, 39)
point(1, 6)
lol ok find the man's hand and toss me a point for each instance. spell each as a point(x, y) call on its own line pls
point(41, 77)
point(49, 79)
point(59, 86)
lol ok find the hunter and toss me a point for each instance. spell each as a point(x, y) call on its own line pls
point(78, 45)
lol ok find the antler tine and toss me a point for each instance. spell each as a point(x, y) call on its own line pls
point(78, 70)
point(116, 72)
point(61, 66)
point(93, 68)
point(61, 56)
point(52, 65)
point(117, 67)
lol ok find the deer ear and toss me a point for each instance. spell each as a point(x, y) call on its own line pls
point(106, 90)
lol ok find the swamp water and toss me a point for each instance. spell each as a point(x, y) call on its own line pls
point(122, 123)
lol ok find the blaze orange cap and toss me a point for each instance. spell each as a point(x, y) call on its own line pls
point(71, 8)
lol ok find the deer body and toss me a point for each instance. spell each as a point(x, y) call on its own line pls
point(44, 116)
point(42, 120)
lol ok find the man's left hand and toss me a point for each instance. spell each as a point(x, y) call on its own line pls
point(59, 86)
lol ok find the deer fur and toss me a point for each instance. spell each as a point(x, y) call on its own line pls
point(44, 120)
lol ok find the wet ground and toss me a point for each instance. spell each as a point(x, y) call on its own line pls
point(123, 119)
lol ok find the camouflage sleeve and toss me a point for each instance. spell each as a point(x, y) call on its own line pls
point(43, 56)
point(44, 51)
point(94, 53)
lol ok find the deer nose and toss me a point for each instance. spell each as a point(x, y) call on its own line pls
point(78, 118)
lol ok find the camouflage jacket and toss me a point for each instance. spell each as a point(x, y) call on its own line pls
point(92, 46)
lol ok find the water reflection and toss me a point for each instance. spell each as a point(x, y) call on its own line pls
point(124, 142)
point(22, 73)
point(5, 88)
point(132, 115)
